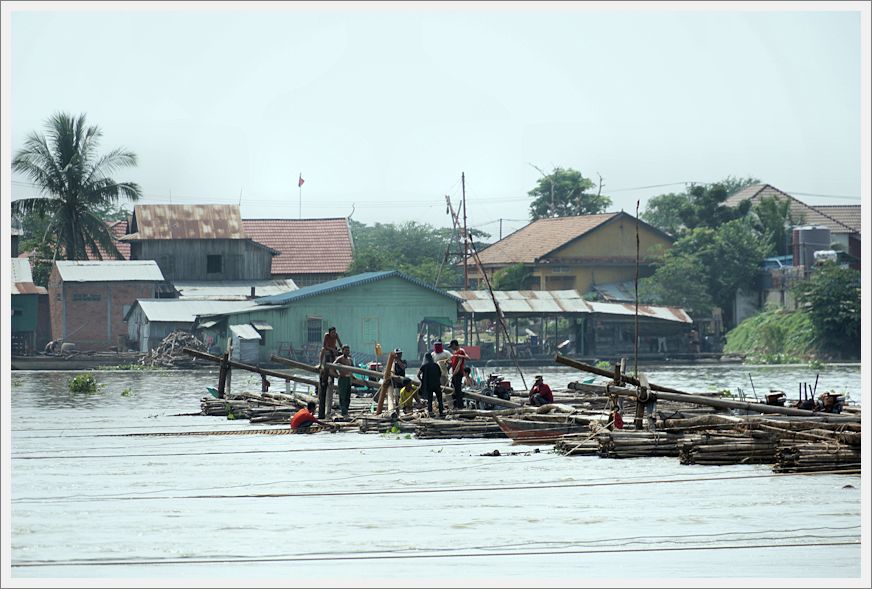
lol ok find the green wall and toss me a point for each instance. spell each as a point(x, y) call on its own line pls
point(386, 311)
point(24, 312)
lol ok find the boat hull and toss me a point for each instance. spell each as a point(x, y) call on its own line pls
point(528, 431)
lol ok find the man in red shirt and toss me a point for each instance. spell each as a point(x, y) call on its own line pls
point(304, 418)
point(540, 394)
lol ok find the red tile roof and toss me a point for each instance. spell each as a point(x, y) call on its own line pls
point(118, 228)
point(305, 246)
point(808, 214)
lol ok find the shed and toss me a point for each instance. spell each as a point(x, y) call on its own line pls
point(246, 342)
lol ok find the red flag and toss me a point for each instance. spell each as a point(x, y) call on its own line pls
point(300, 181)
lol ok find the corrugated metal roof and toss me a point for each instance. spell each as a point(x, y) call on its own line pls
point(233, 289)
point(179, 311)
point(186, 222)
point(558, 301)
point(347, 282)
point(245, 331)
point(301, 244)
point(109, 271)
point(22, 278)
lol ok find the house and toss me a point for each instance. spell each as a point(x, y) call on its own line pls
point(311, 251)
point(387, 308)
point(89, 300)
point(29, 310)
point(197, 242)
point(843, 221)
point(577, 253)
point(149, 321)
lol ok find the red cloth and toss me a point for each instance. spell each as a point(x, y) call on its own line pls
point(619, 421)
point(544, 390)
point(302, 417)
point(458, 359)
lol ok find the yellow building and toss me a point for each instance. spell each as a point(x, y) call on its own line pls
point(576, 253)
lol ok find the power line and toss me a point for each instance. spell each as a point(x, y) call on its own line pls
point(442, 555)
point(529, 486)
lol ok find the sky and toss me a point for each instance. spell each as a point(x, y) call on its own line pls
point(381, 107)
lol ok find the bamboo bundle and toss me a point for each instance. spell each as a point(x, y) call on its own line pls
point(577, 445)
point(719, 450)
point(458, 428)
point(812, 457)
point(619, 444)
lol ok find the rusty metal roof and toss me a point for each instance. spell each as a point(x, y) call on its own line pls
point(185, 222)
point(22, 278)
point(534, 302)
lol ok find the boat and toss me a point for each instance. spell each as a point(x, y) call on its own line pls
point(531, 431)
point(77, 361)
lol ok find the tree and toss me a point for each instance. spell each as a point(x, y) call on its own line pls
point(512, 277)
point(772, 219)
point(664, 212)
point(565, 193)
point(75, 180)
point(717, 262)
point(417, 249)
point(700, 205)
point(680, 281)
point(831, 296)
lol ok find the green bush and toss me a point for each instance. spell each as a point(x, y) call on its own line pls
point(83, 383)
point(774, 336)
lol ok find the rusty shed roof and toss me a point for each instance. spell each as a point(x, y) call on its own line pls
point(185, 222)
point(22, 278)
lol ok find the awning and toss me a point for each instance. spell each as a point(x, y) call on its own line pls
point(440, 320)
point(207, 324)
point(244, 332)
point(261, 325)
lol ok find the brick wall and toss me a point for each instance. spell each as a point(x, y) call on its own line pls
point(91, 314)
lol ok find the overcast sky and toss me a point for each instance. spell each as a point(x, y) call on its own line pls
point(382, 107)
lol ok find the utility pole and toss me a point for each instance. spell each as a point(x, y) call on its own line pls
point(465, 235)
point(501, 229)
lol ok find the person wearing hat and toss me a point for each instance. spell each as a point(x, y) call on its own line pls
point(458, 363)
point(541, 393)
point(441, 356)
point(399, 364)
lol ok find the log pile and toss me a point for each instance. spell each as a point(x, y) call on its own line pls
point(458, 428)
point(170, 354)
point(636, 444)
point(577, 445)
point(713, 449)
point(816, 457)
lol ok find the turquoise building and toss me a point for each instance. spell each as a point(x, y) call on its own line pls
point(387, 308)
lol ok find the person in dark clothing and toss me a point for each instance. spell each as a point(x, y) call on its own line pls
point(399, 364)
point(430, 375)
point(345, 381)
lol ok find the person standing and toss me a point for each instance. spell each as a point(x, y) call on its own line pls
point(541, 393)
point(458, 363)
point(345, 381)
point(399, 368)
point(331, 345)
point(441, 357)
point(430, 376)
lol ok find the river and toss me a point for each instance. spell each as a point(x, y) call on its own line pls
point(90, 501)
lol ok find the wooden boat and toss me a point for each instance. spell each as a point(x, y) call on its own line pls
point(530, 431)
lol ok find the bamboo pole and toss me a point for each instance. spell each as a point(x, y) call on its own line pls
point(384, 387)
point(676, 395)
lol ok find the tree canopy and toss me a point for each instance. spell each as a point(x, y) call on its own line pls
point(76, 184)
point(700, 205)
point(831, 295)
point(417, 249)
point(565, 193)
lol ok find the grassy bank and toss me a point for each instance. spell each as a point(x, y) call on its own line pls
point(774, 336)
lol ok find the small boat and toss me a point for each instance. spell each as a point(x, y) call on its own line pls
point(530, 431)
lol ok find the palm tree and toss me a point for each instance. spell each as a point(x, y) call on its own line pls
point(75, 183)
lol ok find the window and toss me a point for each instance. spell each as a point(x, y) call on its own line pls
point(313, 330)
point(213, 264)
